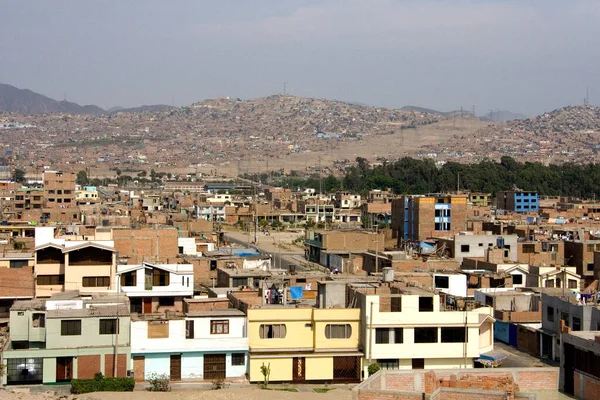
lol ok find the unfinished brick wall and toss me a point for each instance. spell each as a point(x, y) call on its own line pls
point(152, 245)
point(109, 365)
point(17, 282)
point(591, 387)
point(537, 380)
point(197, 305)
point(458, 394)
point(87, 366)
point(456, 384)
point(371, 395)
point(400, 382)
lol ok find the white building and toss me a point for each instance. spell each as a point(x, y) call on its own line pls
point(207, 345)
point(220, 198)
point(454, 284)
point(156, 287)
point(408, 330)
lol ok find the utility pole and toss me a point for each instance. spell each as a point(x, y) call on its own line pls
point(377, 249)
point(115, 363)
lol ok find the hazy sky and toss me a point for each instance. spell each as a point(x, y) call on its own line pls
point(524, 56)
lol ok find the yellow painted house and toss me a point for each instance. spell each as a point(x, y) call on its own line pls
point(305, 344)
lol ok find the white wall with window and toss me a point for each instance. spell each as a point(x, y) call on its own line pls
point(156, 280)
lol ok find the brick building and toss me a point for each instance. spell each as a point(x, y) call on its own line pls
point(59, 188)
point(580, 364)
point(151, 245)
point(416, 218)
point(580, 254)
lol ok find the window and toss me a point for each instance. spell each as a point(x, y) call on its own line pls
point(108, 326)
point(398, 335)
point(38, 320)
point(549, 283)
point(18, 263)
point(382, 335)
point(70, 327)
point(46, 280)
point(24, 370)
point(160, 277)
point(425, 304)
point(442, 282)
point(590, 248)
point(167, 301)
point(426, 335)
point(180, 249)
point(465, 248)
point(576, 324)
point(517, 279)
point(454, 335)
point(96, 281)
point(189, 329)
point(389, 363)
point(396, 304)
point(129, 279)
point(338, 331)
point(219, 327)
point(213, 265)
point(272, 331)
point(572, 284)
point(528, 248)
point(238, 359)
point(418, 363)
point(590, 267)
point(237, 282)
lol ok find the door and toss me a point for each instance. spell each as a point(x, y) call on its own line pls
point(299, 372)
point(569, 354)
point(139, 368)
point(64, 369)
point(175, 370)
point(214, 366)
point(147, 305)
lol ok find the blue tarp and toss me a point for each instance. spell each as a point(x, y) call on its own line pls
point(492, 359)
point(296, 292)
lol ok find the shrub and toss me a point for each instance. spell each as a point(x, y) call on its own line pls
point(218, 384)
point(101, 384)
point(159, 383)
point(373, 368)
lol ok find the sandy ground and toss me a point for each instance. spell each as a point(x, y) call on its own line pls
point(250, 393)
point(405, 143)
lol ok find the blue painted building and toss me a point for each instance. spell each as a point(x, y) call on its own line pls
point(518, 201)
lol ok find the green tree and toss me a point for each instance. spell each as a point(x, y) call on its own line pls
point(82, 178)
point(19, 175)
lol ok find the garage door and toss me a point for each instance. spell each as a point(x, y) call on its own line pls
point(214, 366)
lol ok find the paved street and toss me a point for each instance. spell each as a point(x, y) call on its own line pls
point(279, 245)
point(519, 359)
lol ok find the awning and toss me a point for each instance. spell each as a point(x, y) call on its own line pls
point(492, 359)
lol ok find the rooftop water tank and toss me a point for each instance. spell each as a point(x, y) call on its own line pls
point(388, 274)
point(500, 242)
